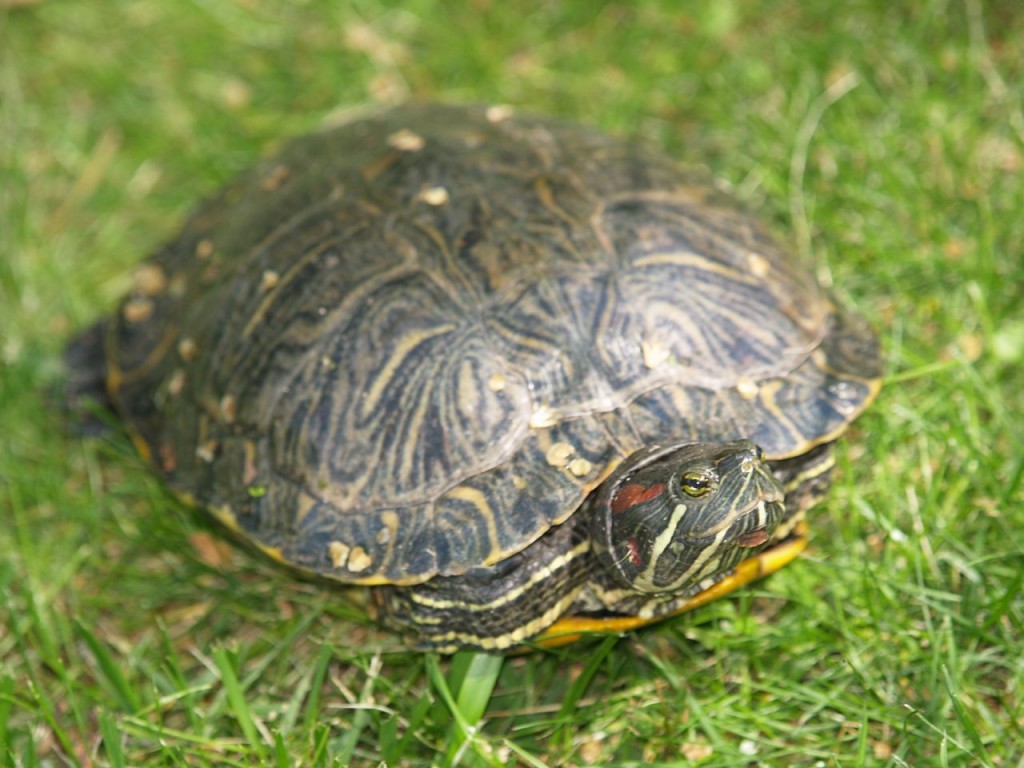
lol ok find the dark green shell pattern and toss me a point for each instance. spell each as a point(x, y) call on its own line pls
point(412, 344)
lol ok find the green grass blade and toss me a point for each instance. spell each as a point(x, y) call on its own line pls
point(360, 716)
point(476, 675)
point(393, 751)
point(236, 699)
point(963, 717)
point(7, 704)
point(111, 734)
point(316, 685)
point(582, 682)
point(110, 669)
point(477, 684)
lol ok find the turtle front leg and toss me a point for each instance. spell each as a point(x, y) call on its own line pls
point(493, 608)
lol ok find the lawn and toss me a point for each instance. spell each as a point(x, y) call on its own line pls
point(884, 140)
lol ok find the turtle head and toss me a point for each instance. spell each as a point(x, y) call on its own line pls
point(672, 517)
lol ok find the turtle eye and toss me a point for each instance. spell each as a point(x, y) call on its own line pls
point(696, 484)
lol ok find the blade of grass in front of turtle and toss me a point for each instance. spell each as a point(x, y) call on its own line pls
point(111, 671)
point(237, 701)
point(964, 716)
point(473, 677)
point(111, 734)
point(566, 718)
point(316, 685)
point(360, 715)
point(7, 703)
point(394, 747)
point(281, 756)
point(582, 682)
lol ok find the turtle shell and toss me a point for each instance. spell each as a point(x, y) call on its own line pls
point(411, 344)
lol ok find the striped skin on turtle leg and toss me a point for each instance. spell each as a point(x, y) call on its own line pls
point(494, 608)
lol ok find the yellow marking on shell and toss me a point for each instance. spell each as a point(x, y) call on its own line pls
point(177, 286)
point(496, 382)
point(117, 378)
point(406, 140)
point(305, 504)
point(558, 454)
point(402, 348)
point(206, 451)
point(228, 408)
point(274, 553)
point(188, 350)
point(224, 515)
point(137, 310)
point(580, 467)
point(295, 268)
point(204, 249)
point(433, 196)
point(543, 418)
point(477, 498)
point(149, 280)
point(269, 280)
point(249, 463)
point(766, 394)
point(359, 560)
point(468, 389)
point(276, 178)
point(758, 265)
point(352, 559)
point(655, 353)
point(338, 552)
point(748, 389)
point(689, 259)
point(497, 113)
point(543, 190)
point(176, 382)
point(874, 387)
point(569, 629)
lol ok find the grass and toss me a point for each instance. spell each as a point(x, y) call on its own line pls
point(886, 139)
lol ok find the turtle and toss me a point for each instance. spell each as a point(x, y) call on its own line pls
point(519, 379)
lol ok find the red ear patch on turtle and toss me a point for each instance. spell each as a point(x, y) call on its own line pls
point(632, 494)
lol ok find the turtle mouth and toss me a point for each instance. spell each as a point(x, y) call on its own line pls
point(765, 536)
point(768, 552)
point(763, 544)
